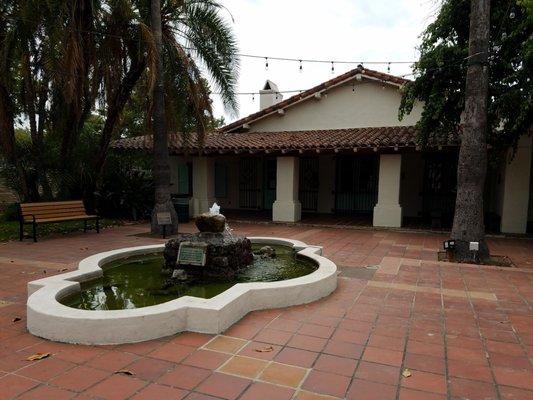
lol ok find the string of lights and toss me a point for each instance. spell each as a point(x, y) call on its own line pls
point(269, 59)
point(266, 58)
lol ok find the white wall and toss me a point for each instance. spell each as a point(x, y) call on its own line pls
point(516, 188)
point(370, 105)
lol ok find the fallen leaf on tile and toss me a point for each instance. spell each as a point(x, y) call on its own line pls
point(16, 319)
point(406, 373)
point(124, 371)
point(38, 356)
point(267, 349)
point(62, 270)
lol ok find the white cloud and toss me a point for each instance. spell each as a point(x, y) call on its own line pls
point(379, 30)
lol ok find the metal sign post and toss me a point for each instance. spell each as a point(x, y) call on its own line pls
point(164, 218)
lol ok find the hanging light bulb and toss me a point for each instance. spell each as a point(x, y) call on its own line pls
point(301, 66)
point(266, 63)
point(332, 67)
point(253, 96)
point(504, 36)
point(353, 87)
point(512, 14)
point(388, 68)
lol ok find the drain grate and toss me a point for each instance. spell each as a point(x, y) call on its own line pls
point(363, 273)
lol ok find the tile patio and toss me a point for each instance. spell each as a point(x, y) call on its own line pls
point(462, 331)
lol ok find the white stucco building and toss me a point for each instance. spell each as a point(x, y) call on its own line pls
point(339, 149)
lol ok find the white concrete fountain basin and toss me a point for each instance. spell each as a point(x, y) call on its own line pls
point(48, 318)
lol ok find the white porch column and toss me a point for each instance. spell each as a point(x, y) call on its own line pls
point(516, 189)
point(203, 184)
point(287, 207)
point(388, 211)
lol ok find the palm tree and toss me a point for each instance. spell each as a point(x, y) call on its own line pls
point(161, 167)
point(61, 61)
point(187, 35)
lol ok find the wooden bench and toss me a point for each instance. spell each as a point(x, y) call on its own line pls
point(56, 211)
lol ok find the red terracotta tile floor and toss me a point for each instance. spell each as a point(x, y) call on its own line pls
point(411, 328)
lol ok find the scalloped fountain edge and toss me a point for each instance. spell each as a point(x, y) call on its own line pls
point(48, 318)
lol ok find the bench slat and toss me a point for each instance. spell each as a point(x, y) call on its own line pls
point(52, 203)
point(55, 216)
point(39, 209)
point(71, 218)
point(49, 211)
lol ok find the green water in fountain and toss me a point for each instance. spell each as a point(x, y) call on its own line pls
point(137, 282)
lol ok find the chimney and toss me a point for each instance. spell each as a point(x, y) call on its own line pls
point(269, 95)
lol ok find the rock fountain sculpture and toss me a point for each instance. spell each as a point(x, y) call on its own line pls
point(213, 251)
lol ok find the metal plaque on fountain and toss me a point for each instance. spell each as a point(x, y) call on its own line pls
point(164, 218)
point(191, 253)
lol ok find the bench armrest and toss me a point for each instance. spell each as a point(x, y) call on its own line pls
point(23, 220)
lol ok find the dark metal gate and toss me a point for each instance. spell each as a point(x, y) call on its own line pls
point(356, 186)
point(308, 187)
point(439, 189)
point(249, 191)
point(269, 184)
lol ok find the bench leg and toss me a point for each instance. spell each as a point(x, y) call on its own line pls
point(21, 231)
point(85, 226)
point(97, 225)
point(34, 228)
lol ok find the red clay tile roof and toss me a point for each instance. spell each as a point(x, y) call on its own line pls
point(386, 78)
point(331, 139)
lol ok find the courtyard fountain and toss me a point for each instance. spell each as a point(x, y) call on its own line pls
point(214, 249)
point(201, 282)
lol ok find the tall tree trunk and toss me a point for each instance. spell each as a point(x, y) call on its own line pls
point(115, 107)
point(161, 167)
point(114, 110)
point(468, 225)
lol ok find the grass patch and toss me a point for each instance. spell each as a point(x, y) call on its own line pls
point(9, 230)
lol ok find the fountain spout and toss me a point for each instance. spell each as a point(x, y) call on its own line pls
point(215, 209)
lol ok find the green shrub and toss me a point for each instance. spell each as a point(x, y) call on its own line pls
point(10, 213)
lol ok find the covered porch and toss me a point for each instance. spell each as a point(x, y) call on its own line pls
point(367, 176)
point(363, 189)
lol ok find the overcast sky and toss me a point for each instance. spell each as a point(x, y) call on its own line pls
point(366, 30)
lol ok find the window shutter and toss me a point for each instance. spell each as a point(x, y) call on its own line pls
point(183, 179)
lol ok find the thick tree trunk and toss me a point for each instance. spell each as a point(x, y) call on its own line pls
point(468, 225)
point(161, 167)
point(115, 107)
